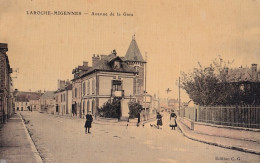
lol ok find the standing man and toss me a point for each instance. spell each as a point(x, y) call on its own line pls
point(88, 122)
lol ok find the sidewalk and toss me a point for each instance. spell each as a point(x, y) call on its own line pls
point(15, 142)
point(240, 145)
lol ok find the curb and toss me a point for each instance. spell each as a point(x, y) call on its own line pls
point(246, 150)
point(34, 150)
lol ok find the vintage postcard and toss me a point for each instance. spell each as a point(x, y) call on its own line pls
point(113, 81)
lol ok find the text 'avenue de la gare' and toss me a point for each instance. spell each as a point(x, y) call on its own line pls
point(111, 14)
point(79, 13)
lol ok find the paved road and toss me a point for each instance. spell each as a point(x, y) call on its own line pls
point(61, 139)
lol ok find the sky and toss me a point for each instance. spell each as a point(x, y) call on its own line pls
point(175, 35)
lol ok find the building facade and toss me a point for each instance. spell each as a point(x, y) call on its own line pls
point(27, 101)
point(63, 97)
point(134, 59)
point(6, 107)
point(76, 89)
point(48, 103)
point(108, 78)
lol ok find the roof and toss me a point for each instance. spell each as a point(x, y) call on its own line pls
point(133, 53)
point(240, 74)
point(3, 45)
point(48, 95)
point(67, 87)
point(172, 101)
point(27, 96)
point(106, 64)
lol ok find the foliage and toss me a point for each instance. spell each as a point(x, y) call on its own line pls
point(134, 109)
point(206, 87)
point(111, 109)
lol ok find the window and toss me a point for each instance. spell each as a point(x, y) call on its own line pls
point(93, 86)
point(84, 88)
point(76, 92)
point(88, 87)
point(116, 65)
point(116, 85)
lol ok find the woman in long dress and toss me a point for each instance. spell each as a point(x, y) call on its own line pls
point(173, 117)
point(159, 120)
point(88, 122)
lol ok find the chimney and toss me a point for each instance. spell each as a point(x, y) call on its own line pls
point(61, 84)
point(85, 64)
point(95, 59)
point(254, 72)
point(103, 56)
point(67, 82)
point(3, 47)
point(58, 84)
point(114, 52)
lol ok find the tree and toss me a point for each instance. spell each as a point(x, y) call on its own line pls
point(134, 109)
point(207, 86)
point(111, 109)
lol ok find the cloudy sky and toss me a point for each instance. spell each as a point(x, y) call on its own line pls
point(174, 34)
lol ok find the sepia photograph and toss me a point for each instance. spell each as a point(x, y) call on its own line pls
point(137, 81)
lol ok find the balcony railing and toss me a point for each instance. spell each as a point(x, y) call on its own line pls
point(118, 94)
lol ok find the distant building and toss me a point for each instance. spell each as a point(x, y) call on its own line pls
point(245, 81)
point(173, 103)
point(6, 101)
point(155, 104)
point(63, 97)
point(241, 74)
point(47, 102)
point(25, 101)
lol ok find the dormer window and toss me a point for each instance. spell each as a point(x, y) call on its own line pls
point(116, 65)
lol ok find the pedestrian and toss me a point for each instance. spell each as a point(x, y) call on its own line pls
point(138, 119)
point(83, 116)
point(159, 120)
point(88, 122)
point(173, 117)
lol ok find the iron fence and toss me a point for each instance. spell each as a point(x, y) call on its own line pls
point(238, 116)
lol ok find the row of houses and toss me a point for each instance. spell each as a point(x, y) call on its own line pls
point(111, 76)
point(6, 86)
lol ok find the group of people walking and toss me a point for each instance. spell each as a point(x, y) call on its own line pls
point(172, 124)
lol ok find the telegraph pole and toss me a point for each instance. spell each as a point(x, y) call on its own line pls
point(179, 97)
point(145, 71)
point(145, 97)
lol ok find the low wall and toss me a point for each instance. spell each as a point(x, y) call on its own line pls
point(223, 131)
point(107, 119)
point(230, 132)
point(187, 123)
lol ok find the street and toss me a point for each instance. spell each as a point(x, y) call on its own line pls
point(63, 139)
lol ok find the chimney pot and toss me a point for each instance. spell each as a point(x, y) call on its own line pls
point(85, 64)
